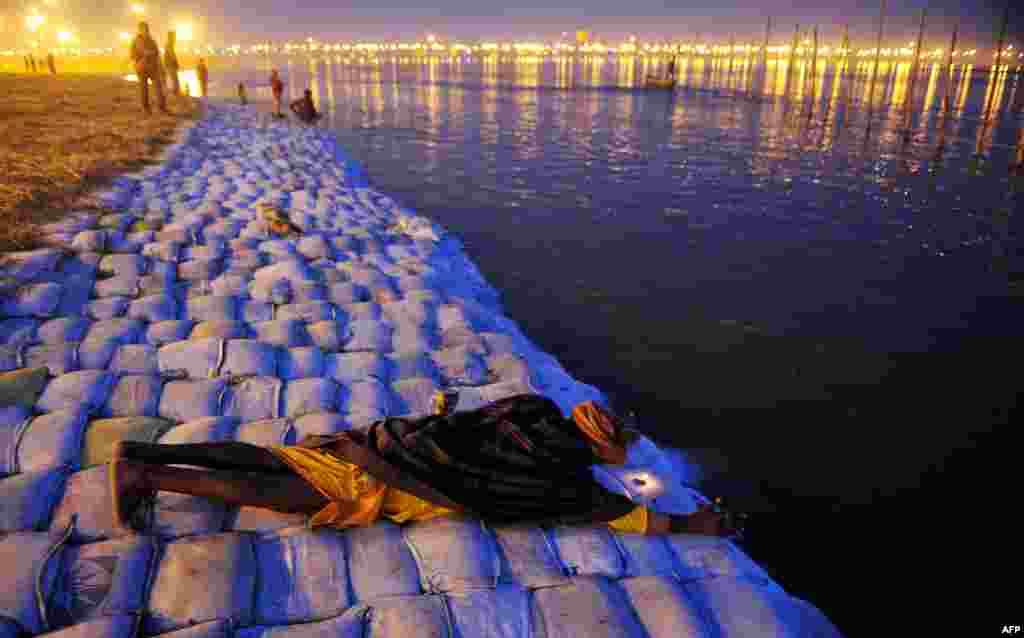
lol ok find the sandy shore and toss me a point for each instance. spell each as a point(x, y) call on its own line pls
point(66, 135)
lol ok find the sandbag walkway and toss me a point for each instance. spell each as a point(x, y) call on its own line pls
point(183, 319)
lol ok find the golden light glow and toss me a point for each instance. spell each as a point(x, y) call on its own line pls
point(35, 21)
point(184, 31)
point(138, 9)
point(64, 36)
point(124, 36)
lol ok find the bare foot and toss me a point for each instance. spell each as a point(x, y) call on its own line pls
point(128, 488)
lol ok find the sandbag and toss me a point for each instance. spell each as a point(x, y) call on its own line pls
point(310, 311)
point(500, 613)
point(301, 363)
point(58, 359)
point(319, 423)
point(31, 563)
point(88, 388)
point(165, 332)
point(413, 397)
point(738, 608)
point(461, 366)
point(308, 396)
point(153, 308)
point(368, 311)
point(266, 433)
point(347, 293)
point(247, 357)
point(252, 311)
point(366, 401)
point(588, 606)
point(22, 387)
point(302, 576)
point(453, 554)
point(64, 330)
point(135, 359)
point(412, 616)
point(134, 395)
point(220, 329)
point(106, 308)
point(701, 558)
point(183, 401)
point(198, 358)
point(121, 626)
point(117, 286)
point(645, 555)
point(664, 609)
point(223, 563)
point(348, 625)
point(380, 563)
point(588, 551)
point(287, 333)
point(211, 308)
point(52, 440)
point(252, 398)
point(17, 331)
point(96, 354)
point(86, 499)
point(329, 336)
point(27, 499)
point(350, 367)
point(102, 434)
point(124, 265)
point(257, 519)
point(200, 270)
point(527, 557)
point(32, 300)
point(124, 331)
point(368, 334)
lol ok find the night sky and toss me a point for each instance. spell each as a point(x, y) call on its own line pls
point(246, 21)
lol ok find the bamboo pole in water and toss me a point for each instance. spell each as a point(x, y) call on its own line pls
point(767, 35)
point(994, 73)
point(814, 69)
point(949, 68)
point(878, 52)
point(914, 64)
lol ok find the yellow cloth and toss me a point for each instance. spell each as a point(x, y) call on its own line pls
point(357, 499)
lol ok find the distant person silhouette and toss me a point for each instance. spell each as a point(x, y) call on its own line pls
point(242, 96)
point(146, 57)
point(32, 59)
point(171, 65)
point(52, 63)
point(204, 76)
point(277, 88)
point(304, 108)
point(28, 64)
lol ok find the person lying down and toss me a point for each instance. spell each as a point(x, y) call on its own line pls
point(515, 461)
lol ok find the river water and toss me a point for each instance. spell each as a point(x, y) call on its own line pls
point(810, 282)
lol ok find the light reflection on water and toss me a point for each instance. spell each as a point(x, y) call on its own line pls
point(761, 237)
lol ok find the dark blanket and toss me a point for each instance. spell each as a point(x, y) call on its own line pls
point(517, 460)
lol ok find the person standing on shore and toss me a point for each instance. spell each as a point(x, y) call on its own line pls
point(32, 59)
point(277, 88)
point(204, 76)
point(304, 108)
point(28, 64)
point(242, 95)
point(171, 65)
point(146, 57)
point(52, 63)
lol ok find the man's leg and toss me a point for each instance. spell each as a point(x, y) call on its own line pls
point(230, 455)
point(133, 481)
point(144, 91)
point(158, 85)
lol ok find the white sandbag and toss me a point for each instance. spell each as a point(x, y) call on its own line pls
point(588, 606)
point(413, 397)
point(123, 265)
point(527, 557)
point(588, 551)
point(64, 330)
point(123, 331)
point(408, 339)
point(276, 292)
point(413, 365)
point(153, 308)
point(223, 563)
point(348, 368)
point(165, 332)
point(309, 312)
point(708, 557)
point(645, 555)
point(461, 366)
point(288, 333)
point(302, 576)
point(134, 395)
point(184, 401)
point(27, 499)
point(500, 613)
point(369, 311)
point(95, 354)
point(17, 331)
point(320, 423)
point(86, 499)
point(277, 248)
point(664, 609)
point(211, 308)
point(251, 310)
point(58, 359)
point(329, 336)
point(231, 283)
point(135, 359)
point(87, 388)
point(308, 396)
point(248, 357)
point(453, 554)
point(25, 265)
point(291, 270)
point(124, 286)
point(168, 250)
point(739, 609)
point(203, 430)
point(266, 432)
point(220, 329)
point(200, 270)
point(107, 308)
point(252, 398)
point(366, 401)
point(472, 398)
point(31, 563)
point(198, 358)
point(408, 616)
point(507, 367)
point(368, 334)
point(211, 250)
point(120, 626)
point(257, 519)
point(308, 292)
point(380, 563)
point(301, 363)
point(347, 293)
point(32, 300)
point(314, 247)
